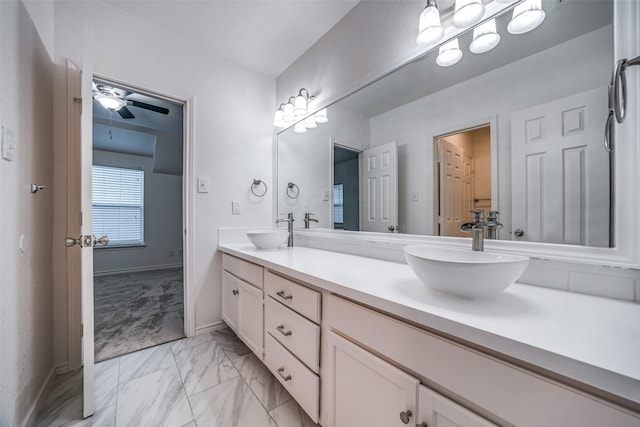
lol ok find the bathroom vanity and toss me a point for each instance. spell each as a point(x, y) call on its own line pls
point(360, 341)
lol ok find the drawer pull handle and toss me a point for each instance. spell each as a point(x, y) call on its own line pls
point(283, 296)
point(405, 416)
point(280, 372)
point(282, 331)
point(235, 292)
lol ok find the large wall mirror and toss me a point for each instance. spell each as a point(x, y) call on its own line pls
point(517, 130)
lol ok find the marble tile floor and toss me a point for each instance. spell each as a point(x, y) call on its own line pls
point(137, 310)
point(210, 380)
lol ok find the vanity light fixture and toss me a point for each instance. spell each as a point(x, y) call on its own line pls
point(485, 37)
point(301, 102)
point(310, 122)
point(449, 54)
point(300, 127)
point(467, 13)
point(278, 120)
point(430, 27)
point(289, 111)
point(321, 116)
point(526, 16)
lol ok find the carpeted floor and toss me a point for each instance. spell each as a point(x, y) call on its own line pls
point(137, 310)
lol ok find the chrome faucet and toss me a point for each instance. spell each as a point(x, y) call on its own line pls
point(493, 225)
point(477, 227)
point(289, 220)
point(308, 219)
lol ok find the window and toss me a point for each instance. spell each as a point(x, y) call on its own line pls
point(118, 205)
point(338, 204)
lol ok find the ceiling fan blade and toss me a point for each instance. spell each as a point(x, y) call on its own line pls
point(125, 113)
point(149, 107)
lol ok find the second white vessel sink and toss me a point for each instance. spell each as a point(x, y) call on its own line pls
point(465, 273)
point(268, 239)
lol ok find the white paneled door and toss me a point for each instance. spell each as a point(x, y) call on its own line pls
point(560, 171)
point(456, 198)
point(380, 188)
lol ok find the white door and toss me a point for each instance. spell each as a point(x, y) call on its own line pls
point(380, 188)
point(435, 410)
point(250, 317)
point(456, 198)
point(364, 390)
point(560, 171)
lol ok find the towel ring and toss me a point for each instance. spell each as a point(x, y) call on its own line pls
point(290, 187)
point(258, 183)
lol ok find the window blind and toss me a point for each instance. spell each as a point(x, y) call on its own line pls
point(118, 204)
point(338, 204)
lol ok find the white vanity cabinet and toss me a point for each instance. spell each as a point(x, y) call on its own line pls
point(292, 339)
point(242, 301)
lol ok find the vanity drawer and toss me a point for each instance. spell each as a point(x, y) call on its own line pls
point(299, 298)
point(300, 382)
point(297, 334)
point(244, 270)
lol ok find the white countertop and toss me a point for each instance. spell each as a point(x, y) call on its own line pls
point(592, 340)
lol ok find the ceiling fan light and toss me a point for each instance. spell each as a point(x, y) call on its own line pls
point(300, 127)
point(110, 102)
point(485, 37)
point(278, 119)
point(321, 116)
point(300, 106)
point(449, 54)
point(526, 17)
point(467, 13)
point(310, 122)
point(430, 27)
point(288, 112)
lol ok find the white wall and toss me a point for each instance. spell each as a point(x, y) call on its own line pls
point(26, 291)
point(569, 68)
point(232, 134)
point(162, 219)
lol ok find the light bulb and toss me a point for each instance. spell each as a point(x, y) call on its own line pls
point(449, 54)
point(485, 37)
point(310, 122)
point(321, 116)
point(300, 106)
point(467, 13)
point(430, 28)
point(526, 17)
point(300, 127)
point(110, 102)
point(289, 114)
point(278, 119)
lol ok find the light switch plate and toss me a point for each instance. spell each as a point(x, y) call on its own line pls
point(203, 185)
point(325, 195)
point(235, 207)
point(8, 144)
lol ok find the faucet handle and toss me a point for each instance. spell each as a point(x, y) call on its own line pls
point(477, 215)
point(492, 215)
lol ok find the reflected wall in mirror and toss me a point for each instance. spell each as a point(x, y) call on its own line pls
point(544, 97)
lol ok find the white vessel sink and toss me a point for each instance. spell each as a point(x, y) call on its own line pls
point(465, 273)
point(268, 239)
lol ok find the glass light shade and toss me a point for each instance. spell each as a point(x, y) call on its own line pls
point(526, 17)
point(278, 119)
point(300, 127)
point(310, 122)
point(449, 54)
point(110, 102)
point(321, 116)
point(467, 13)
point(485, 37)
point(300, 106)
point(430, 29)
point(288, 112)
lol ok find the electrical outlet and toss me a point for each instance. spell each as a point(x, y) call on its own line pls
point(8, 144)
point(203, 185)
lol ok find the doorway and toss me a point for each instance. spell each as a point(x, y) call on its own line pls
point(137, 198)
point(346, 189)
point(463, 178)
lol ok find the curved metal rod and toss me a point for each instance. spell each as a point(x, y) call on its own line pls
point(608, 130)
point(291, 186)
point(257, 183)
point(619, 87)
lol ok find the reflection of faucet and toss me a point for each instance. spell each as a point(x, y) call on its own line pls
point(477, 227)
point(308, 219)
point(493, 225)
point(289, 227)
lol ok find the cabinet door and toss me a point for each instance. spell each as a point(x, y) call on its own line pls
point(435, 410)
point(230, 300)
point(364, 390)
point(250, 317)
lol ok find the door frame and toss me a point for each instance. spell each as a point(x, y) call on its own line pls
point(74, 356)
point(358, 151)
point(492, 122)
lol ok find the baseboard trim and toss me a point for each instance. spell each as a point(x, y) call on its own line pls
point(62, 368)
point(30, 419)
point(137, 269)
point(211, 327)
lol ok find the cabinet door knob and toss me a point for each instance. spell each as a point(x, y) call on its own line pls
point(280, 372)
point(235, 292)
point(405, 416)
point(280, 329)
point(422, 424)
point(519, 233)
point(283, 296)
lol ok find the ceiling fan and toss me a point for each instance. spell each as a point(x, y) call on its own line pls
point(114, 100)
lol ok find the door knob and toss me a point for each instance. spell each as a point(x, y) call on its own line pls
point(104, 240)
point(405, 416)
point(519, 232)
point(70, 241)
